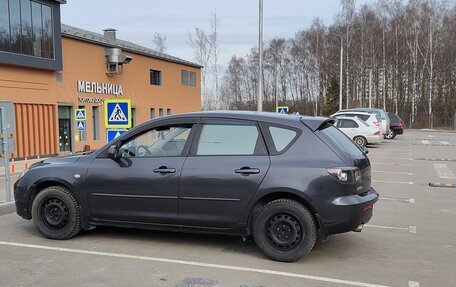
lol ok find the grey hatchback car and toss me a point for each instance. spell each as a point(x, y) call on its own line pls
point(285, 180)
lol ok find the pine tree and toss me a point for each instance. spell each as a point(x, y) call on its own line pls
point(332, 97)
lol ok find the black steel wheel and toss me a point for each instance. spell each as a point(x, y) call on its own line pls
point(56, 213)
point(284, 230)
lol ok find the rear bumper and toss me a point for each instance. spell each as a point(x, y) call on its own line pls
point(397, 130)
point(374, 139)
point(346, 213)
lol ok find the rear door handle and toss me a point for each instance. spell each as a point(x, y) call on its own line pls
point(247, 170)
point(164, 169)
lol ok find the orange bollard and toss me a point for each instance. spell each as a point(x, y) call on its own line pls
point(12, 165)
point(26, 163)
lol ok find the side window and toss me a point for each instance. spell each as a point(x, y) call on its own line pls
point(230, 139)
point(158, 142)
point(282, 137)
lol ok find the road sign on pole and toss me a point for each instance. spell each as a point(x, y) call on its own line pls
point(282, 110)
point(113, 134)
point(80, 114)
point(117, 114)
point(81, 125)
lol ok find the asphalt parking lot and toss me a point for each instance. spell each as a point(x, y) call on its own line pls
point(409, 242)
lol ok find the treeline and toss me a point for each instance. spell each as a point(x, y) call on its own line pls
point(402, 53)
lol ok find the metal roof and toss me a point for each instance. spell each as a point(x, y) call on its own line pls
point(84, 35)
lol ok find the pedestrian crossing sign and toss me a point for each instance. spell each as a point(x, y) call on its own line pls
point(113, 134)
point(117, 114)
point(282, 110)
point(80, 114)
point(81, 125)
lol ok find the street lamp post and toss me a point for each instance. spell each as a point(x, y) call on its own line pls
point(260, 54)
point(341, 71)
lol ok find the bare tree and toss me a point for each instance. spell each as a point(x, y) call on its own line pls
point(200, 43)
point(159, 41)
point(215, 53)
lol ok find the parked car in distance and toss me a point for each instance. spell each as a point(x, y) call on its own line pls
point(381, 114)
point(396, 126)
point(370, 118)
point(286, 180)
point(361, 132)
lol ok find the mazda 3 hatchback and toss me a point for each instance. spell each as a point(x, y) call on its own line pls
point(285, 180)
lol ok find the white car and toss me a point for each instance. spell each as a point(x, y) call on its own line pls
point(370, 118)
point(359, 131)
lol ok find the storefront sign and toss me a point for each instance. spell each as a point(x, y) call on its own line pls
point(91, 100)
point(99, 88)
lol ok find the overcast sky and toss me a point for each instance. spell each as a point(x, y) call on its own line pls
point(138, 20)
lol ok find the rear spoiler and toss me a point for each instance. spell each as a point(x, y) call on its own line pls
point(317, 123)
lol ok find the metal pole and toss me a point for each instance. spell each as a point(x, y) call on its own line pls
point(370, 88)
point(341, 71)
point(260, 56)
point(5, 155)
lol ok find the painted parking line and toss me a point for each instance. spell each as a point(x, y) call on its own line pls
point(425, 142)
point(436, 159)
point(392, 157)
point(399, 199)
point(396, 164)
point(195, 263)
point(443, 171)
point(393, 182)
point(410, 229)
point(444, 143)
point(413, 284)
point(393, 172)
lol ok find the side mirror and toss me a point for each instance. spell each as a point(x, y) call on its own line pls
point(112, 150)
point(365, 150)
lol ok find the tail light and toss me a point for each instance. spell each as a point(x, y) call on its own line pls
point(347, 175)
point(400, 125)
point(377, 124)
point(376, 133)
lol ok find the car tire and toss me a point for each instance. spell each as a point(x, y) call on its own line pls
point(360, 140)
point(284, 230)
point(391, 134)
point(56, 213)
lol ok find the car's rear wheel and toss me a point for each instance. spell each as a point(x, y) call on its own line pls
point(359, 140)
point(56, 213)
point(284, 230)
point(391, 134)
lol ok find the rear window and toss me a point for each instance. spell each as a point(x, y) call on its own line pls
point(338, 141)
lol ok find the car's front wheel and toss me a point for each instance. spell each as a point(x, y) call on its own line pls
point(56, 213)
point(284, 230)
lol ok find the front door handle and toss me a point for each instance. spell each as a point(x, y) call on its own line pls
point(247, 170)
point(164, 169)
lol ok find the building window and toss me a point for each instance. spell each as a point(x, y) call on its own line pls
point(96, 122)
point(26, 27)
point(155, 77)
point(168, 112)
point(188, 78)
point(152, 113)
point(160, 112)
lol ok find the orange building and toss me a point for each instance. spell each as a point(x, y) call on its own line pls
point(69, 69)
